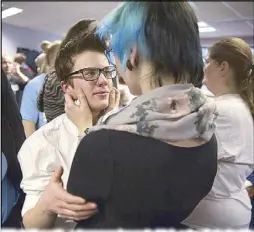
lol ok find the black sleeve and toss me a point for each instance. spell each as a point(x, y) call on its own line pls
point(13, 134)
point(92, 168)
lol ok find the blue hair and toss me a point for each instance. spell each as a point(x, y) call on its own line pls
point(126, 24)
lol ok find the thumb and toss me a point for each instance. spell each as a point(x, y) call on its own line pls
point(56, 177)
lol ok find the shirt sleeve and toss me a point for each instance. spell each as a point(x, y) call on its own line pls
point(28, 107)
point(38, 160)
point(93, 161)
point(227, 134)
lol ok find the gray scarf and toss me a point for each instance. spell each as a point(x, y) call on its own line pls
point(169, 113)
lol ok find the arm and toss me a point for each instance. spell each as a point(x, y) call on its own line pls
point(93, 161)
point(28, 109)
point(45, 196)
point(29, 127)
point(37, 168)
point(10, 111)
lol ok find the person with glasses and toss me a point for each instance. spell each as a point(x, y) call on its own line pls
point(46, 156)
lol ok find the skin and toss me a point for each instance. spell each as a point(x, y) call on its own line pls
point(29, 127)
point(97, 102)
point(218, 78)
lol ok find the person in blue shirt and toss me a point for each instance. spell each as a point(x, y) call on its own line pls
point(251, 179)
point(32, 118)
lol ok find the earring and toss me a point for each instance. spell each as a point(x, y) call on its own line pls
point(129, 65)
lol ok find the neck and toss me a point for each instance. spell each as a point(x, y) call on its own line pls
point(225, 91)
point(147, 84)
point(96, 116)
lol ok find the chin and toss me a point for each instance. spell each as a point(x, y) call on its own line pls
point(100, 106)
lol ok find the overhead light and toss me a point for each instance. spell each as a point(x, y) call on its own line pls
point(202, 24)
point(206, 29)
point(10, 11)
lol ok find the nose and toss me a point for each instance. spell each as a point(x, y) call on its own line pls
point(102, 80)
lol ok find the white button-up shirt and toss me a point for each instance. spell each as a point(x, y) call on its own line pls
point(50, 147)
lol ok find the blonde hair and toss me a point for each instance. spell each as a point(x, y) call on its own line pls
point(45, 61)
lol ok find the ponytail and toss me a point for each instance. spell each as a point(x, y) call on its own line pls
point(247, 89)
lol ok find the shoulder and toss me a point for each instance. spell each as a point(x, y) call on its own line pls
point(39, 140)
point(41, 147)
point(35, 83)
point(233, 110)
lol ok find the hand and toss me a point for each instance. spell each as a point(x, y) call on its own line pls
point(81, 114)
point(114, 100)
point(15, 70)
point(56, 200)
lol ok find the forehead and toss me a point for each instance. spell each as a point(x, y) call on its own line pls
point(89, 59)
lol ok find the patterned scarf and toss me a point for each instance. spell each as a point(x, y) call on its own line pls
point(169, 113)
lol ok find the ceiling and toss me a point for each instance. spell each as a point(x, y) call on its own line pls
point(228, 18)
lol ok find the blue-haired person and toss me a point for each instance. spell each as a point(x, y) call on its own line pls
point(149, 164)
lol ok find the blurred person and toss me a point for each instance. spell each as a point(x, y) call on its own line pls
point(40, 60)
point(47, 154)
point(13, 137)
point(31, 116)
point(149, 164)
point(51, 98)
point(229, 76)
point(6, 63)
point(20, 58)
point(17, 79)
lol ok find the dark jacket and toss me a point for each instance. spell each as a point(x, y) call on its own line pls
point(140, 182)
point(13, 135)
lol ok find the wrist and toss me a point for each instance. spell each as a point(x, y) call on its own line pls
point(44, 209)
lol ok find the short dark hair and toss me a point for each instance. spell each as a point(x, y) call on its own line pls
point(80, 38)
point(20, 58)
point(166, 33)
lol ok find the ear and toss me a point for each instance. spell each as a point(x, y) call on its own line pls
point(64, 86)
point(68, 89)
point(224, 68)
point(133, 56)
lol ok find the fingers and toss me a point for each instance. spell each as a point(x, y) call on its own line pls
point(114, 99)
point(82, 98)
point(117, 98)
point(69, 198)
point(56, 177)
point(71, 215)
point(77, 212)
point(79, 207)
point(68, 101)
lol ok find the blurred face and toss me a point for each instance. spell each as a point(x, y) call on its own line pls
point(212, 78)
point(96, 91)
point(6, 64)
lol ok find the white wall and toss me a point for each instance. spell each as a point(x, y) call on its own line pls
point(209, 42)
point(13, 37)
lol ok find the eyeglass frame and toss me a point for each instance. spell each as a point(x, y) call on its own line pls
point(101, 70)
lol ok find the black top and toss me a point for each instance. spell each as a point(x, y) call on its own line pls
point(13, 136)
point(140, 182)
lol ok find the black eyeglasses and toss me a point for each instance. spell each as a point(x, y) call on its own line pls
point(92, 74)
